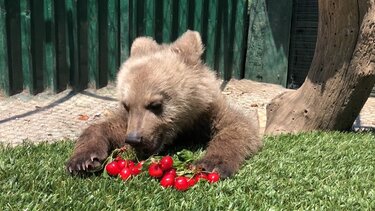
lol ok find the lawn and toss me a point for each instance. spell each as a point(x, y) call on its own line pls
point(330, 171)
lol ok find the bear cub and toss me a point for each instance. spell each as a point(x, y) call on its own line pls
point(167, 97)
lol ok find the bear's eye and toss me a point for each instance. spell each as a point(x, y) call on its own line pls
point(155, 107)
point(126, 107)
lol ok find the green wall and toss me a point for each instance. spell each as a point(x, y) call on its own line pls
point(268, 40)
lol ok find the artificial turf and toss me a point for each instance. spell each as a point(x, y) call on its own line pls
point(325, 171)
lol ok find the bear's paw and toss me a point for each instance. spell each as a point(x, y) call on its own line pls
point(86, 161)
point(217, 164)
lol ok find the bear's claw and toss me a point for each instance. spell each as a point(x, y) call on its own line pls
point(83, 163)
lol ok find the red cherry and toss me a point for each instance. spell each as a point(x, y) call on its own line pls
point(181, 183)
point(118, 158)
point(166, 162)
point(130, 164)
point(200, 176)
point(154, 170)
point(112, 168)
point(136, 169)
point(140, 163)
point(213, 177)
point(171, 171)
point(192, 181)
point(122, 164)
point(167, 180)
point(125, 173)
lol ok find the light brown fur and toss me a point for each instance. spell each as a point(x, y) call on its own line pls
point(169, 96)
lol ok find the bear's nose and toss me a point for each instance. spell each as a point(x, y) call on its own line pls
point(133, 138)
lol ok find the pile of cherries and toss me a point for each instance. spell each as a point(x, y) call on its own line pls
point(123, 168)
point(162, 170)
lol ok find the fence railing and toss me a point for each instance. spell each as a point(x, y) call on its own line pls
point(58, 43)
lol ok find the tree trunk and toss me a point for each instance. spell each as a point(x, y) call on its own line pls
point(341, 76)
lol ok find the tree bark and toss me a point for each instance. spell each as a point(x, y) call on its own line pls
point(341, 76)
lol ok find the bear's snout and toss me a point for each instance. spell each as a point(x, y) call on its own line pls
point(133, 138)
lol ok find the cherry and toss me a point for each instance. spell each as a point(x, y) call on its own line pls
point(112, 168)
point(140, 164)
point(125, 173)
point(167, 180)
point(213, 177)
point(166, 162)
point(130, 164)
point(171, 171)
point(192, 181)
point(200, 176)
point(118, 158)
point(181, 183)
point(122, 163)
point(135, 170)
point(154, 170)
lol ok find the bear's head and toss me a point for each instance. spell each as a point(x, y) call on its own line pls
point(164, 89)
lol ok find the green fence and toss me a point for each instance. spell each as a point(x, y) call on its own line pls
point(269, 40)
point(52, 44)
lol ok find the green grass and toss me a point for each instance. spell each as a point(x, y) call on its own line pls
point(330, 171)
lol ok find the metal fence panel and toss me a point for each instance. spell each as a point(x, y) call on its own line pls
point(268, 41)
point(58, 43)
point(303, 39)
point(4, 68)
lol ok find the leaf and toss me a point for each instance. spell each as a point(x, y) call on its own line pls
point(185, 155)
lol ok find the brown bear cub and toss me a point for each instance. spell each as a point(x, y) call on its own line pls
point(168, 97)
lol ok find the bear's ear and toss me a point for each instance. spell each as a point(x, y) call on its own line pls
point(144, 45)
point(189, 46)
